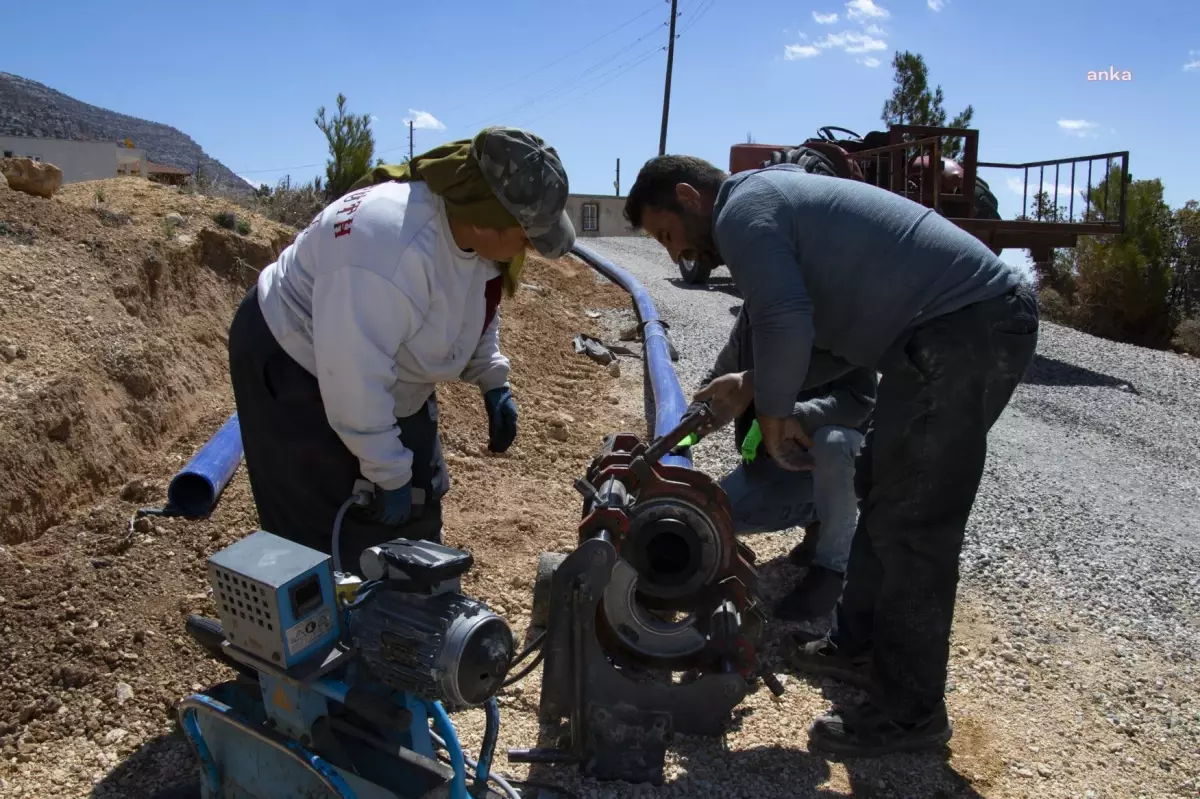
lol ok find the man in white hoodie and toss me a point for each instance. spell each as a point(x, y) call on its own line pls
point(335, 353)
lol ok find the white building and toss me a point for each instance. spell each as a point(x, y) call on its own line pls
point(598, 215)
point(79, 160)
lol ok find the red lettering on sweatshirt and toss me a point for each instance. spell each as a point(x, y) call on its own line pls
point(342, 228)
point(349, 209)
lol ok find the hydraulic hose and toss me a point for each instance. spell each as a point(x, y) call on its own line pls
point(669, 401)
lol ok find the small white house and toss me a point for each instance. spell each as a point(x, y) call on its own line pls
point(598, 215)
point(78, 160)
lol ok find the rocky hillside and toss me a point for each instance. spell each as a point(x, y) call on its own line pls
point(29, 108)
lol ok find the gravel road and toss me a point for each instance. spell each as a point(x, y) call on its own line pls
point(1087, 520)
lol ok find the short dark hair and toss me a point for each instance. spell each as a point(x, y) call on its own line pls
point(656, 182)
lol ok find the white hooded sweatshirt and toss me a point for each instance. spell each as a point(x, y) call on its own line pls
point(375, 299)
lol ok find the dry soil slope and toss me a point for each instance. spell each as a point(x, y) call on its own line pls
point(112, 331)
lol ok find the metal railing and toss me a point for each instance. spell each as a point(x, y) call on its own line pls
point(911, 169)
point(1107, 209)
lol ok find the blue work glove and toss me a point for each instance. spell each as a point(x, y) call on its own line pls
point(393, 507)
point(502, 418)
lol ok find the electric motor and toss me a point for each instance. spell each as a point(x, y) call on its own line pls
point(444, 646)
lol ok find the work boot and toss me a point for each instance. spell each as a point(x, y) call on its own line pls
point(821, 658)
point(813, 597)
point(865, 731)
point(802, 554)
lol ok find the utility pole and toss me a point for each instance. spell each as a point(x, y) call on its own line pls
point(617, 182)
point(410, 140)
point(662, 139)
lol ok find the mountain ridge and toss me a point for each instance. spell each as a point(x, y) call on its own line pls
point(32, 109)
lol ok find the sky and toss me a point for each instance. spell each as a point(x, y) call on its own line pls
point(245, 79)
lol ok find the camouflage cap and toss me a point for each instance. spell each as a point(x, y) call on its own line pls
point(529, 180)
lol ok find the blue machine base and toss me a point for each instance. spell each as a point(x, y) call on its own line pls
point(242, 758)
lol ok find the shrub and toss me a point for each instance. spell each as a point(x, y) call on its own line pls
point(1053, 307)
point(295, 206)
point(1187, 336)
point(226, 219)
point(243, 227)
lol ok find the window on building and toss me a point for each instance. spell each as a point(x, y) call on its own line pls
point(591, 216)
point(8, 154)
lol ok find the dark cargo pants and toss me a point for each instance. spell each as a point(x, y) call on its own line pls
point(300, 471)
point(942, 388)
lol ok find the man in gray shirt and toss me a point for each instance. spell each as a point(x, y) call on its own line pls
point(766, 497)
point(873, 280)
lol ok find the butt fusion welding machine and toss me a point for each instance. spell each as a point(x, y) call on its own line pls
point(339, 678)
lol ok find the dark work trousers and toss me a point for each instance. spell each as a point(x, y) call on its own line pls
point(300, 471)
point(941, 389)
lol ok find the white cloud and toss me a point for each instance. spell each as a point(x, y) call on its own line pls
point(253, 181)
point(374, 118)
point(864, 9)
point(1194, 63)
point(869, 61)
point(875, 30)
point(936, 5)
point(825, 19)
point(852, 42)
point(1079, 127)
point(1017, 186)
point(795, 52)
point(423, 120)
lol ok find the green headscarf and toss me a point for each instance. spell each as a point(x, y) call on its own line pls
point(452, 173)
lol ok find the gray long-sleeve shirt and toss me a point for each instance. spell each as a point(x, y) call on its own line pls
point(842, 266)
point(845, 401)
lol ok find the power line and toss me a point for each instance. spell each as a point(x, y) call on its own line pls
point(277, 169)
point(571, 81)
point(615, 73)
point(571, 54)
point(523, 78)
point(702, 8)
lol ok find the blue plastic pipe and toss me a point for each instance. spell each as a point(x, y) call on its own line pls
point(669, 401)
point(195, 490)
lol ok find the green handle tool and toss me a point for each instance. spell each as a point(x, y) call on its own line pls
point(749, 446)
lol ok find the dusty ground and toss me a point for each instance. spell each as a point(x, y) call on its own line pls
point(91, 635)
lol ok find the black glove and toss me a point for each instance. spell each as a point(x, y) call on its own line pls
point(502, 418)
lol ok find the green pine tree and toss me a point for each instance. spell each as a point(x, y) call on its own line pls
point(912, 102)
point(351, 148)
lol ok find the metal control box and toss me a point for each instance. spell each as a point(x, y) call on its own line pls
point(275, 598)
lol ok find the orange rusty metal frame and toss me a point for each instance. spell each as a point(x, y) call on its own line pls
point(898, 134)
point(1037, 233)
point(929, 180)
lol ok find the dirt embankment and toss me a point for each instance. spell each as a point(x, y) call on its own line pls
point(91, 625)
point(115, 297)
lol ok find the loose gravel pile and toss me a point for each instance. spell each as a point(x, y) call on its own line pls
point(1079, 614)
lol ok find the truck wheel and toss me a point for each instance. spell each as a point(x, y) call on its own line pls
point(694, 273)
point(547, 563)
